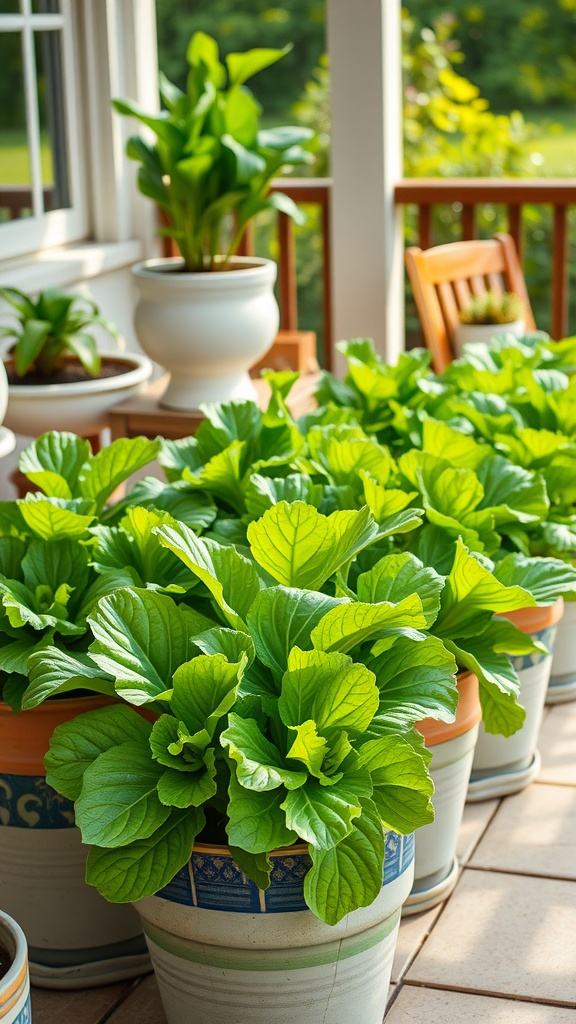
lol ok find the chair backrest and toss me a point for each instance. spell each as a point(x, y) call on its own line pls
point(445, 277)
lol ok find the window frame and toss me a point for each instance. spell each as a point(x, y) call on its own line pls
point(46, 229)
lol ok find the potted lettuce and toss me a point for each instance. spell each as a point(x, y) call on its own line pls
point(277, 769)
point(47, 589)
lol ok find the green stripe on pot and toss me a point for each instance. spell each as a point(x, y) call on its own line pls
point(225, 958)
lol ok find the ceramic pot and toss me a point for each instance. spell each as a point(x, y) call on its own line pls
point(15, 985)
point(76, 938)
point(224, 950)
point(207, 328)
point(466, 334)
point(507, 764)
point(562, 686)
point(452, 748)
point(81, 407)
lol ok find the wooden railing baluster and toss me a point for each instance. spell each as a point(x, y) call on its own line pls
point(425, 226)
point(559, 318)
point(468, 221)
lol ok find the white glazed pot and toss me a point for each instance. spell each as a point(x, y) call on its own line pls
point(452, 748)
point(81, 407)
point(466, 334)
point(562, 685)
point(224, 951)
point(206, 328)
point(507, 764)
point(76, 938)
point(15, 985)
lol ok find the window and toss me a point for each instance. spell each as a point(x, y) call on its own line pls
point(42, 200)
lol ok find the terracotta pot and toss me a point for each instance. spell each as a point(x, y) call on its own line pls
point(224, 950)
point(15, 985)
point(507, 764)
point(76, 938)
point(452, 746)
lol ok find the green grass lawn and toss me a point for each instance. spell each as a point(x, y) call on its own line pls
point(15, 165)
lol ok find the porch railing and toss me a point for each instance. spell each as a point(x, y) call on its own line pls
point(425, 194)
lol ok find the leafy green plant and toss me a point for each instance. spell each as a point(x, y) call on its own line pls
point(269, 718)
point(211, 159)
point(48, 585)
point(51, 329)
point(492, 308)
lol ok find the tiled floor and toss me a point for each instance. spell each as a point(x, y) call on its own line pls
point(502, 950)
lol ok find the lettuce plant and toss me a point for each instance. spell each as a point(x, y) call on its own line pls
point(48, 585)
point(275, 720)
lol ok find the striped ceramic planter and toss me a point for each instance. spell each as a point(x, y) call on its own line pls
point(562, 686)
point(507, 764)
point(452, 748)
point(224, 950)
point(15, 985)
point(76, 938)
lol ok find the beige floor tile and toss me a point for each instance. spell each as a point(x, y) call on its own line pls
point(557, 744)
point(413, 931)
point(438, 1007)
point(533, 832)
point(504, 934)
point(474, 822)
point(142, 1007)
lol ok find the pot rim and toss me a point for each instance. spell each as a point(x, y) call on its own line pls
point(47, 706)
point(536, 617)
point(13, 983)
point(468, 713)
point(165, 265)
point(139, 369)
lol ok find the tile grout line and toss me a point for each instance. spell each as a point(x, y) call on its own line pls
point(519, 874)
point(489, 994)
point(472, 851)
point(122, 998)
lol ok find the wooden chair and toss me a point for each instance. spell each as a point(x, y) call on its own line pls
point(445, 277)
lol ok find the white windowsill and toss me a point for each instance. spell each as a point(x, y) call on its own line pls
point(61, 267)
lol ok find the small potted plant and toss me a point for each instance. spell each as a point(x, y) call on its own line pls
point(14, 980)
point(58, 380)
point(211, 315)
point(487, 315)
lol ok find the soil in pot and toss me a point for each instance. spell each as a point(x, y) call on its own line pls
point(72, 373)
point(5, 962)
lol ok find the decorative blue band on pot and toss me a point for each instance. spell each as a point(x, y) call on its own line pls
point(26, 801)
point(547, 637)
point(212, 881)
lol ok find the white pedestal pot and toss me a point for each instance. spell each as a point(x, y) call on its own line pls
point(452, 748)
point(225, 951)
point(206, 328)
point(466, 334)
point(76, 938)
point(15, 985)
point(562, 686)
point(507, 764)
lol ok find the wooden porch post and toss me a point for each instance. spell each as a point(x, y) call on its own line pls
point(364, 46)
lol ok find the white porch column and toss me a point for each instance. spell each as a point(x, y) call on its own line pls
point(364, 46)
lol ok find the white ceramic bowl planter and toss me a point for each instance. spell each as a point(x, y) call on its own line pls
point(81, 407)
point(452, 747)
point(206, 328)
point(562, 685)
point(76, 938)
point(505, 765)
point(15, 984)
point(465, 334)
point(225, 951)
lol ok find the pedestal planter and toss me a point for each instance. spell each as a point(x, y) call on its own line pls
point(225, 951)
point(466, 334)
point(76, 938)
point(207, 328)
point(562, 686)
point(505, 765)
point(452, 746)
point(15, 984)
point(82, 406)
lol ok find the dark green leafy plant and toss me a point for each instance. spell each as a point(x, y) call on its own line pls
point(211, 159)
point(492, 308)
point(51, 329)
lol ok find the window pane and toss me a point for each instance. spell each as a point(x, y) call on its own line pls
point(45, 6)
point(15, 179)
point(53, 143)
point(9, 6)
